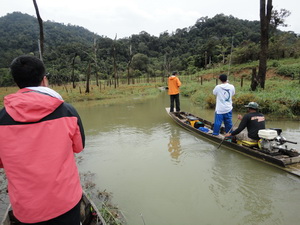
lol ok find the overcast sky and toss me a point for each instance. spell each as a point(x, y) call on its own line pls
point(127, 17)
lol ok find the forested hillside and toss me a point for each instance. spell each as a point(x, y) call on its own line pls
point(73, 50)
point(20, 33)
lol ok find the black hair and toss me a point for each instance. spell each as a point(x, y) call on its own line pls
point(27, 71)
point(223, 77)
point(174, 73)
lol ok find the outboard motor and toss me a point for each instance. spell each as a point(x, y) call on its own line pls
point(273, 143)
point(267, 141)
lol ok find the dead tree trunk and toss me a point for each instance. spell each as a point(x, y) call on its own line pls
point(254, 81)
point(265, 17)
point(167, 63)
point(96, 64)
point(41, 40)
point(73, 73)
point(114, 62)
point(87, 90)
point(128, 64)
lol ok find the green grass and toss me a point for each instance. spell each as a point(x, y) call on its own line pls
point(280, 98)
point(105, 95)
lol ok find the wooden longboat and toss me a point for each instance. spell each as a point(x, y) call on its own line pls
point(290, 164)
point(89, 214)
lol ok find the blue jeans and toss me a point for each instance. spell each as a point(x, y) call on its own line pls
point(219, 118)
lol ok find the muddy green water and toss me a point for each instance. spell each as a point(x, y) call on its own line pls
point(160, 174)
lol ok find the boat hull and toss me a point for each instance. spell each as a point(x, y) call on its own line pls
point(289, 164)
point(89, 214)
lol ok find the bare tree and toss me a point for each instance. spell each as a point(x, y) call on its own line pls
point(115, 63)
point(167, 63)
point(254, 81)
point(41, 40)
point(88, 75)
point(96, 62)
point(265, 17)
point(93, 57)
point(129, 63)
point(278, 18)
point(73, 69)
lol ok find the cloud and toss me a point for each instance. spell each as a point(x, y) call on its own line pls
point(127, 17)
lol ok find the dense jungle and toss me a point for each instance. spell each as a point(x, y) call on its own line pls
point(71, 52)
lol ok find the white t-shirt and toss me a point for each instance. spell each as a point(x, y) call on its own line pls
point(224, 93)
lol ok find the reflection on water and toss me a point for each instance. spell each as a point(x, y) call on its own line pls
point(174, 145)
point(155, 168)
point(252, 187)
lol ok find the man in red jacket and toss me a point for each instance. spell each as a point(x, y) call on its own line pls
point(39, 134)
point(173, 90)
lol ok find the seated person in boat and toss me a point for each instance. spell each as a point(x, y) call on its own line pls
point(253, 120)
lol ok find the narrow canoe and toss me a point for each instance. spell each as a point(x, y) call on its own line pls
point(89, 214)
point(285, 162)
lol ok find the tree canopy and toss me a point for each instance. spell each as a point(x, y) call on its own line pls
point(209, 42)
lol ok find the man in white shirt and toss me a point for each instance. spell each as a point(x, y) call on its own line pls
point(223, 111)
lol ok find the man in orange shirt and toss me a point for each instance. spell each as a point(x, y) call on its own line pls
point(173, 85)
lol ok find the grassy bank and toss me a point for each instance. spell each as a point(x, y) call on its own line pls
point(279, 99)
point(104, 94)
